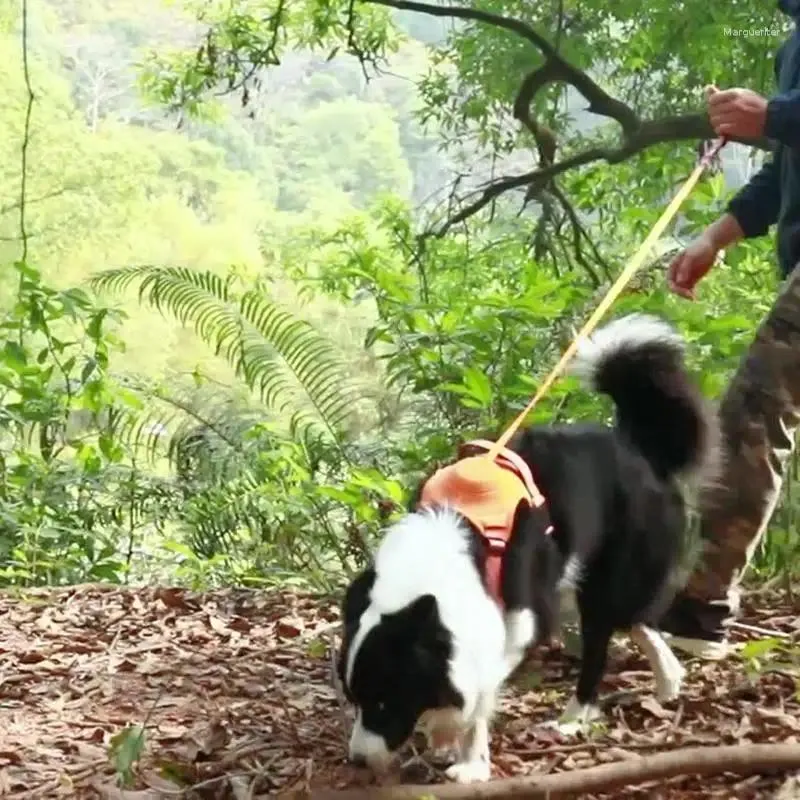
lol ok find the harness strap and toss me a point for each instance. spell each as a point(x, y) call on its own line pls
point(512, 459)
point(456, 483)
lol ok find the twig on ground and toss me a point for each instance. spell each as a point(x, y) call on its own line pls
point(289, 709)
point(217, 769)
point(599, 745)
point(746, 759)
point(760, 631)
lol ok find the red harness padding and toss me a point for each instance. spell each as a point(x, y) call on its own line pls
point(487, 492)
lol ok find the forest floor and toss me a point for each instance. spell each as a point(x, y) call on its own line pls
point(234, 691)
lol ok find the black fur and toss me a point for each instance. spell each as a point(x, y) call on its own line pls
point(612, 511)
point(401, 670)
point(614, 501)
point(616, 507)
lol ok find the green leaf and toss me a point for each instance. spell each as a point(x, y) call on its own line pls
point(107, 572)
point(15, 356)
point(283, 358)
point(88, 369)
point(125, 750)
point(180, 549)
point(760, 647)
point(478, 385)
point(317, 648)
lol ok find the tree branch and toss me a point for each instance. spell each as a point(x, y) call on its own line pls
point(637, 134)
point(533, 82)
point(506, 184)
point(600, 102)
point(747, 759)
point(683, 127)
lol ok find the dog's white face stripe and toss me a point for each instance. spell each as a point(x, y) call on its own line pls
point(369, 619)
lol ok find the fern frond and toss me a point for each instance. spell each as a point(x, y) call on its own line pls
point(283, 358)
point(168, 421)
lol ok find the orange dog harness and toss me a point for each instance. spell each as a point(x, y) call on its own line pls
point(487, 492)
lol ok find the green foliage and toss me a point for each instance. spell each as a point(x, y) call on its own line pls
point(771, 654)
point(266, 404)
point(62, 486)
point(280, 357)
point(181, 80)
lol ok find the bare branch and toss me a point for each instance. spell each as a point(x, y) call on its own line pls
point(600, 102)
point(579, 232)
point(650, 133)
point(503, 185)
point(637, 134)
point(746, 759)
point(23, 201)
point(533, 82)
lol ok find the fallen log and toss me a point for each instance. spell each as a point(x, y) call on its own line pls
point(745, 759)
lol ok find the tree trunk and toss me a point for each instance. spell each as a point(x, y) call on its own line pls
point(759, 417)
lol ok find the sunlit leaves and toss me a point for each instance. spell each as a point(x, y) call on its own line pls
point(282, 358)
point(246, 37)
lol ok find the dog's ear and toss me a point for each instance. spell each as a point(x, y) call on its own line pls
point(522, 514)
point(355, 602)
point(357, 597)
point(424, 610)
point(537, 520)
point(341, 663)
point(430, 641)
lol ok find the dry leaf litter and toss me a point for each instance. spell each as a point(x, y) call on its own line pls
point(235, 691)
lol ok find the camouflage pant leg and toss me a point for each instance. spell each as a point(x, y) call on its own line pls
point(759, 416)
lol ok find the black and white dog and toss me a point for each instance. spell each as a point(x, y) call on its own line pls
point(424, 643)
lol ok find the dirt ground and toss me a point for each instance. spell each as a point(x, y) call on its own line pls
point(234, 691)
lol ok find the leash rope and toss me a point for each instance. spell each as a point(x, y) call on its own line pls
point(624, 277)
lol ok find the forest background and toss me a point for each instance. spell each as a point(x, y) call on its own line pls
point(266, 262)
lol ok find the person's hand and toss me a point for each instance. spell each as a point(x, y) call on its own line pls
point(736, 112)
point(690, 266)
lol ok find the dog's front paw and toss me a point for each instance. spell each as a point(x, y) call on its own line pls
point(470, 772)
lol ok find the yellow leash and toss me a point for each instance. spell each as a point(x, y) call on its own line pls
point(614, 292)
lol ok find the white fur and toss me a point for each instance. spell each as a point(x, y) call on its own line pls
point(520, 632)
point(428, 552)
point(576, 718)
point(620, 334)
point(369, 746)
point(475, 764)
point(669, 672)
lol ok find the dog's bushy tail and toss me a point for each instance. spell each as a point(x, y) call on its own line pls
point(638, 360)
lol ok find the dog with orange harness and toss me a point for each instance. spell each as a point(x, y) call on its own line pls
point(471, 577)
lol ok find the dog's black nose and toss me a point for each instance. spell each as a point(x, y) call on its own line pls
point(358, 761)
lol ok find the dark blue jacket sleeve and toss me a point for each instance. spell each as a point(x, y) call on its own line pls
point(783, 119)
point(757, 204)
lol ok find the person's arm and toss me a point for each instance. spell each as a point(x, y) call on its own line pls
point(724, 232)
point(783, 119)
point(756, 205)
